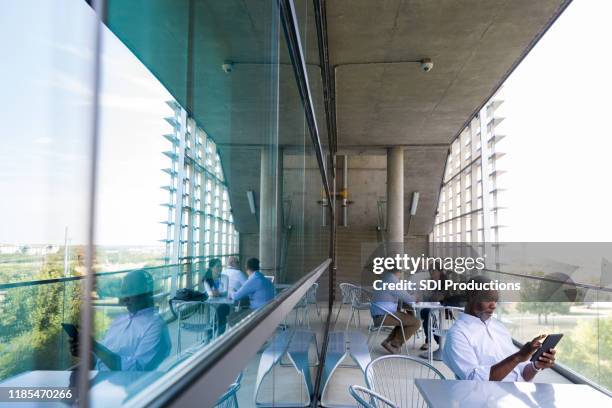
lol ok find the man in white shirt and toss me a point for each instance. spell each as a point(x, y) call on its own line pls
point(234, 275)
point(138, 340)
point(480, 348)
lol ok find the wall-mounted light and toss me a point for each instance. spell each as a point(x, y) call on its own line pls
point(251, 199)
point(415, 203)
point(227, 66)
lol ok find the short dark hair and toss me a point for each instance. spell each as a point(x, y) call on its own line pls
point(475, 296)
point(253, 264)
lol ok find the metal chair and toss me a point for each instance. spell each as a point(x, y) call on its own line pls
point(229, 398)
point(393, 376)
point(369, 399)
point(377, 328)
point(361, 299)
point(346, 298)
point(202, 321)
point(309, 298)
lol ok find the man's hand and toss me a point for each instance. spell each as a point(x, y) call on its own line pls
point(529, 348)
point(546, 360)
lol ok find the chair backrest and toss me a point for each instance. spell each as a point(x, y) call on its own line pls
point(345, 291)
point(270, 278)
point(359, 296)
point(311, 294)
point(369, 399)
point(393, 376)
point(229, 399)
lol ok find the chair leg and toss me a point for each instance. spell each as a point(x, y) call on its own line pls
point(405, 340)
point(338, 314)
point(348, 323)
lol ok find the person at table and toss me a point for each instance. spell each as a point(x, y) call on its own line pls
point(216, 285)
point(432, 296)
point(235, 276)
point(387, 300)
point(257, 288)
point(480, 348)
point(135, 341)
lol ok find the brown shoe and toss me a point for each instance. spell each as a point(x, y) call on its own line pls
point(389, 347)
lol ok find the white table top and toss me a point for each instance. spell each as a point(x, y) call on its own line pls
point(477, 394)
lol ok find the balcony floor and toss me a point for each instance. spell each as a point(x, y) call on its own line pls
point(282, 383)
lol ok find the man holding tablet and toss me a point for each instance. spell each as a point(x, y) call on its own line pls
point(480, 348)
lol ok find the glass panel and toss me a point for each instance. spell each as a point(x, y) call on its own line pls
point(46, 79)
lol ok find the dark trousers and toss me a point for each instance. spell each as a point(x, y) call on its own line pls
point(222, 312)
point(425, 316)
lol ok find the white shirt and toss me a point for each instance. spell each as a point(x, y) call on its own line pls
point(140, 339)
point(236, 279)
point(473, 346)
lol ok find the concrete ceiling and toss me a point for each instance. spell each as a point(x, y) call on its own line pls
point(382, 97)
point(385, 99)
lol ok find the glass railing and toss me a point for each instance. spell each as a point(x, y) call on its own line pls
point(586, 347)
point(32, 313)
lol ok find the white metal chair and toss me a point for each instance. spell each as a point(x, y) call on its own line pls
point(303, 306)
point(195, 316)
point(393, 376)
point(361, 299)
point(229, 399)
point(369, 399)
point(345, 294)
point(377, 328)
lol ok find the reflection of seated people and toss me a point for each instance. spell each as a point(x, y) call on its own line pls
point(235, 276)
point(480, 348)
point(215, 285)
point(138, 340)
point(387, 300)
point(433, 296)
point(258, 288)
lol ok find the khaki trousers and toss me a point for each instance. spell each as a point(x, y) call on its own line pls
point(408, 321)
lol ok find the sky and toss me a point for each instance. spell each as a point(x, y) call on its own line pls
point(559, 139)
point(556, 109)
point(45, 132)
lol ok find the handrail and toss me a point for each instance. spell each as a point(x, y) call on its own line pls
point(570, 374)
point(233, 348)
point(545, 279)
point(73, 278)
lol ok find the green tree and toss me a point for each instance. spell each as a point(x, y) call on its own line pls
point(31, 332)
point(587, 349)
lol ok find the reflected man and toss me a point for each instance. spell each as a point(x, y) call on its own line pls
point(258, 288)
point(135, 341)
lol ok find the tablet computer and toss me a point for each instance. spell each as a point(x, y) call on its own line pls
point(549, 342)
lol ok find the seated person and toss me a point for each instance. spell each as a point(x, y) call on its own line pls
point(433, 296)
point(384, 301)
point(215, 285)
point(235, 276)
point(258, 288)
point(479, 347)
point(135, 341)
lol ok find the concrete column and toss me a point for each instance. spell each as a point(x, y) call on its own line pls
point(395, 195)
point(270, 210)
